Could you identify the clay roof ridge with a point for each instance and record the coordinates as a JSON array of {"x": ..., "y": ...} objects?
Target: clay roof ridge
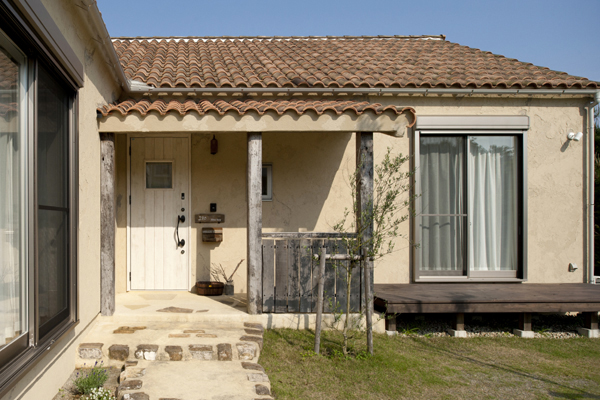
[{"x": 328, "y": 37}]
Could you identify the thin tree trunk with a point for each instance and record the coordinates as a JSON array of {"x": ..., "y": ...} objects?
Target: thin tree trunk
[
  {"x": 348, "y": 281},
  {"x": 369, "y": 305},
  {"x": 320, "y": 299}
]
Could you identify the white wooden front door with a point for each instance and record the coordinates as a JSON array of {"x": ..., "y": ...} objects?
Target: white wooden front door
[{"x": 160, "y": 194}]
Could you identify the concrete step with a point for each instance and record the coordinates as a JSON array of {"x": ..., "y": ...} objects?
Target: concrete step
[{"x": 113, "y": 344}]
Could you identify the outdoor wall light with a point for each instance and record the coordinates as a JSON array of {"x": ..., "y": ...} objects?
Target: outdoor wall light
[
  {"x": 214, "y": 145},
  {"x": 575, "y": 136},
  {"x": 572, "y": 267}
]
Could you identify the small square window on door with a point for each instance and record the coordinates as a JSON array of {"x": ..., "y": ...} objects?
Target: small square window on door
[{"x": 159, "y": 175}]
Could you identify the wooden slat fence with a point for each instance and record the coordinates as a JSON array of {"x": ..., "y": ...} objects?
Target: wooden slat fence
[{"x": 290, "y": 274}]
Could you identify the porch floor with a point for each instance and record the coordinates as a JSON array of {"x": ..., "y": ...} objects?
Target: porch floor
[
  {"x": 141, "y": 307},
  {"x": 486, "y": 297},
  {"x": 181, "y": 306}
]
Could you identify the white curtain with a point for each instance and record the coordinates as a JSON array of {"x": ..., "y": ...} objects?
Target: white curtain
[
  {"x": 493, "y": 203},
  {"x": 442, "y": 192},
  {"x": 11, "y": 279}
]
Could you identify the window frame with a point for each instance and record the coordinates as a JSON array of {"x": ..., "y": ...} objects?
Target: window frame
[
  {"x": 170, "y": 162},
  {"x": 16, "y": 26},
  {"x": 269, "y": 195},
  {"x": 465, "y": 126}
]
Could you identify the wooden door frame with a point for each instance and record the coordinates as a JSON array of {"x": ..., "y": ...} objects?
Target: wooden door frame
[{"x": 187, "y": 136}]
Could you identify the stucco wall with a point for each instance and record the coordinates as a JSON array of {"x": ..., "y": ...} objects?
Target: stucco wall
[
  {"x": 556, "y": 181},
  {"x": 53, "y": 369},
  {"x": 310, "y": 186}
]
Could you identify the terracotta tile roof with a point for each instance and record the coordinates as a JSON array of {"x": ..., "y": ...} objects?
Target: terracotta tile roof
[
  {"x": 329, "y": 62},
  {"x": 261, "y": 106}
]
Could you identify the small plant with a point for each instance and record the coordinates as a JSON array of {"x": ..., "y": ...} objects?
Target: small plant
[
  {"x": 218, "y": 272},
  {"x": 92, "y": 379},
  {"x": 410, "y": 331},
  {"x": 100, "y": 394}
]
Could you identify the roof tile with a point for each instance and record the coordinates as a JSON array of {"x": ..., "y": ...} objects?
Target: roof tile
[
  {"x": 240, "y": 107},
  {"x": 350, "y": 62}
]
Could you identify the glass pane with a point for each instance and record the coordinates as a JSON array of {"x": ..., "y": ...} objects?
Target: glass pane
[
  {"x": 493, "y": 203},
  {"x": 159, "y": 175},
  {"x": 442, "y": 243},
  {"x": 265, "y": 183},
  {"x": 52, "y": 112},
  {"x": 441, "y": 169},
  {"x": 52, "y": 261},
  {"x": 13, "y": 292},
  {"x": 53, "y": 193}
]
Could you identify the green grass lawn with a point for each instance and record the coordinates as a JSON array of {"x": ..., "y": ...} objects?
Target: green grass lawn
[{"x": 432, "y": 368}]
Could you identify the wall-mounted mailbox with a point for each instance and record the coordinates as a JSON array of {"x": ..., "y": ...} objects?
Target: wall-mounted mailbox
[
  {"x": 212, "y": 234},
  {"x": 210, "y": 218}
]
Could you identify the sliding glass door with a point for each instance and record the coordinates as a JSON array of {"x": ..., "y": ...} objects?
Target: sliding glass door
[
  {"x": 13, "y": 239},
  {"x": 53, "y": 201},
  {"x": 469, "y": 220}
]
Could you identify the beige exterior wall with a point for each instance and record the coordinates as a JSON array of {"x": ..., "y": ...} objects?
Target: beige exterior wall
[
  {"x": 556, "y": 181},
  {"x": 53, "y": 369},
  {"x": 310, "y": 186}
]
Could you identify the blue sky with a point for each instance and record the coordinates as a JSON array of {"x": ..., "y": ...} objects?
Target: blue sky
[{"x": 558, "y": 34}]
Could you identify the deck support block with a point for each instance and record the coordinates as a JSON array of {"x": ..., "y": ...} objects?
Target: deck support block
[
  {"x": 589, "y": 333},
  {"x": 457, "y": 333},
  {"x": 458, "y": 326},
  {"x": 524, "y": 330},
  {"x": 107, "y": 223},
  {"x": 254, "y": 225},
  {"x": 591, "y": 325}
]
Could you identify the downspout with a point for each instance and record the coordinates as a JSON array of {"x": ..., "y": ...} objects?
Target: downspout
[{"x": 591, "y": 182}]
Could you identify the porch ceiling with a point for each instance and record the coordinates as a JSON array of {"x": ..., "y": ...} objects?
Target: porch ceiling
[{"x": 249, "y": 115}]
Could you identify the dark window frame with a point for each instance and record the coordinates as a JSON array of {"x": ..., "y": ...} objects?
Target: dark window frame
[
  {"x": 19, "y": 359},
  {"x": 269, "y": 183},
  {"x": 514, "y": 126}
]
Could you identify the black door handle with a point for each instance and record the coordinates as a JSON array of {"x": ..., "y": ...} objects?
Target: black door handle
[{"x": 180, "y": 242}]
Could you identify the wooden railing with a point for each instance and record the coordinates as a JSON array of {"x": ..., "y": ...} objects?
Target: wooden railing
[{"x": 290, "y": 273}]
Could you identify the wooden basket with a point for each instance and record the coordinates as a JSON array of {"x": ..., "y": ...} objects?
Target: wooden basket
[{"x": 206, "y": 288}]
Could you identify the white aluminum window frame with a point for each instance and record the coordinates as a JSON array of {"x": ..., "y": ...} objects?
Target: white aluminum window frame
[{"x": 516, "y": 126}]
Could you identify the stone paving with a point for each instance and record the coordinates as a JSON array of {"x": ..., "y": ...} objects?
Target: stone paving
[{"x": 166, "y": 360}]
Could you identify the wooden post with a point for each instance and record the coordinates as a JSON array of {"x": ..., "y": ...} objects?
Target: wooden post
[
  {"x": 525, "y": 321},
  {"x": 320, "y": 287},
  {"x": 591, "y": 320},
  {"x": 364, "y": 160},
  {"x": 391, "y": 322},
  {"x": 458, "y": 323},
  {"x": 254, "y": 226},
  {"x": 107, "y": 223}
]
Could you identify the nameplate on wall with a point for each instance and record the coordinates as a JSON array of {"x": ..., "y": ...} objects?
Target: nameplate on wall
[{"x": 210, "y": 218}]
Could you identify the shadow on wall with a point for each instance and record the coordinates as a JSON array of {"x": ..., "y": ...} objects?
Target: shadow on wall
[
  {"x": 309, "y": 185},
  {"x": 305, "y": 168}
]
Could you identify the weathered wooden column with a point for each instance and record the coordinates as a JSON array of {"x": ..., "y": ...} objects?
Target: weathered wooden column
[
  {"x": 107, "y": 223},
  {"x": 364, "y": 187},
  {"x": 254, "y": 226}
]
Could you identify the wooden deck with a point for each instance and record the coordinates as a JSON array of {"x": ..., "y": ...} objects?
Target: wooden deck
[{"x": 486, "y": 298}]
